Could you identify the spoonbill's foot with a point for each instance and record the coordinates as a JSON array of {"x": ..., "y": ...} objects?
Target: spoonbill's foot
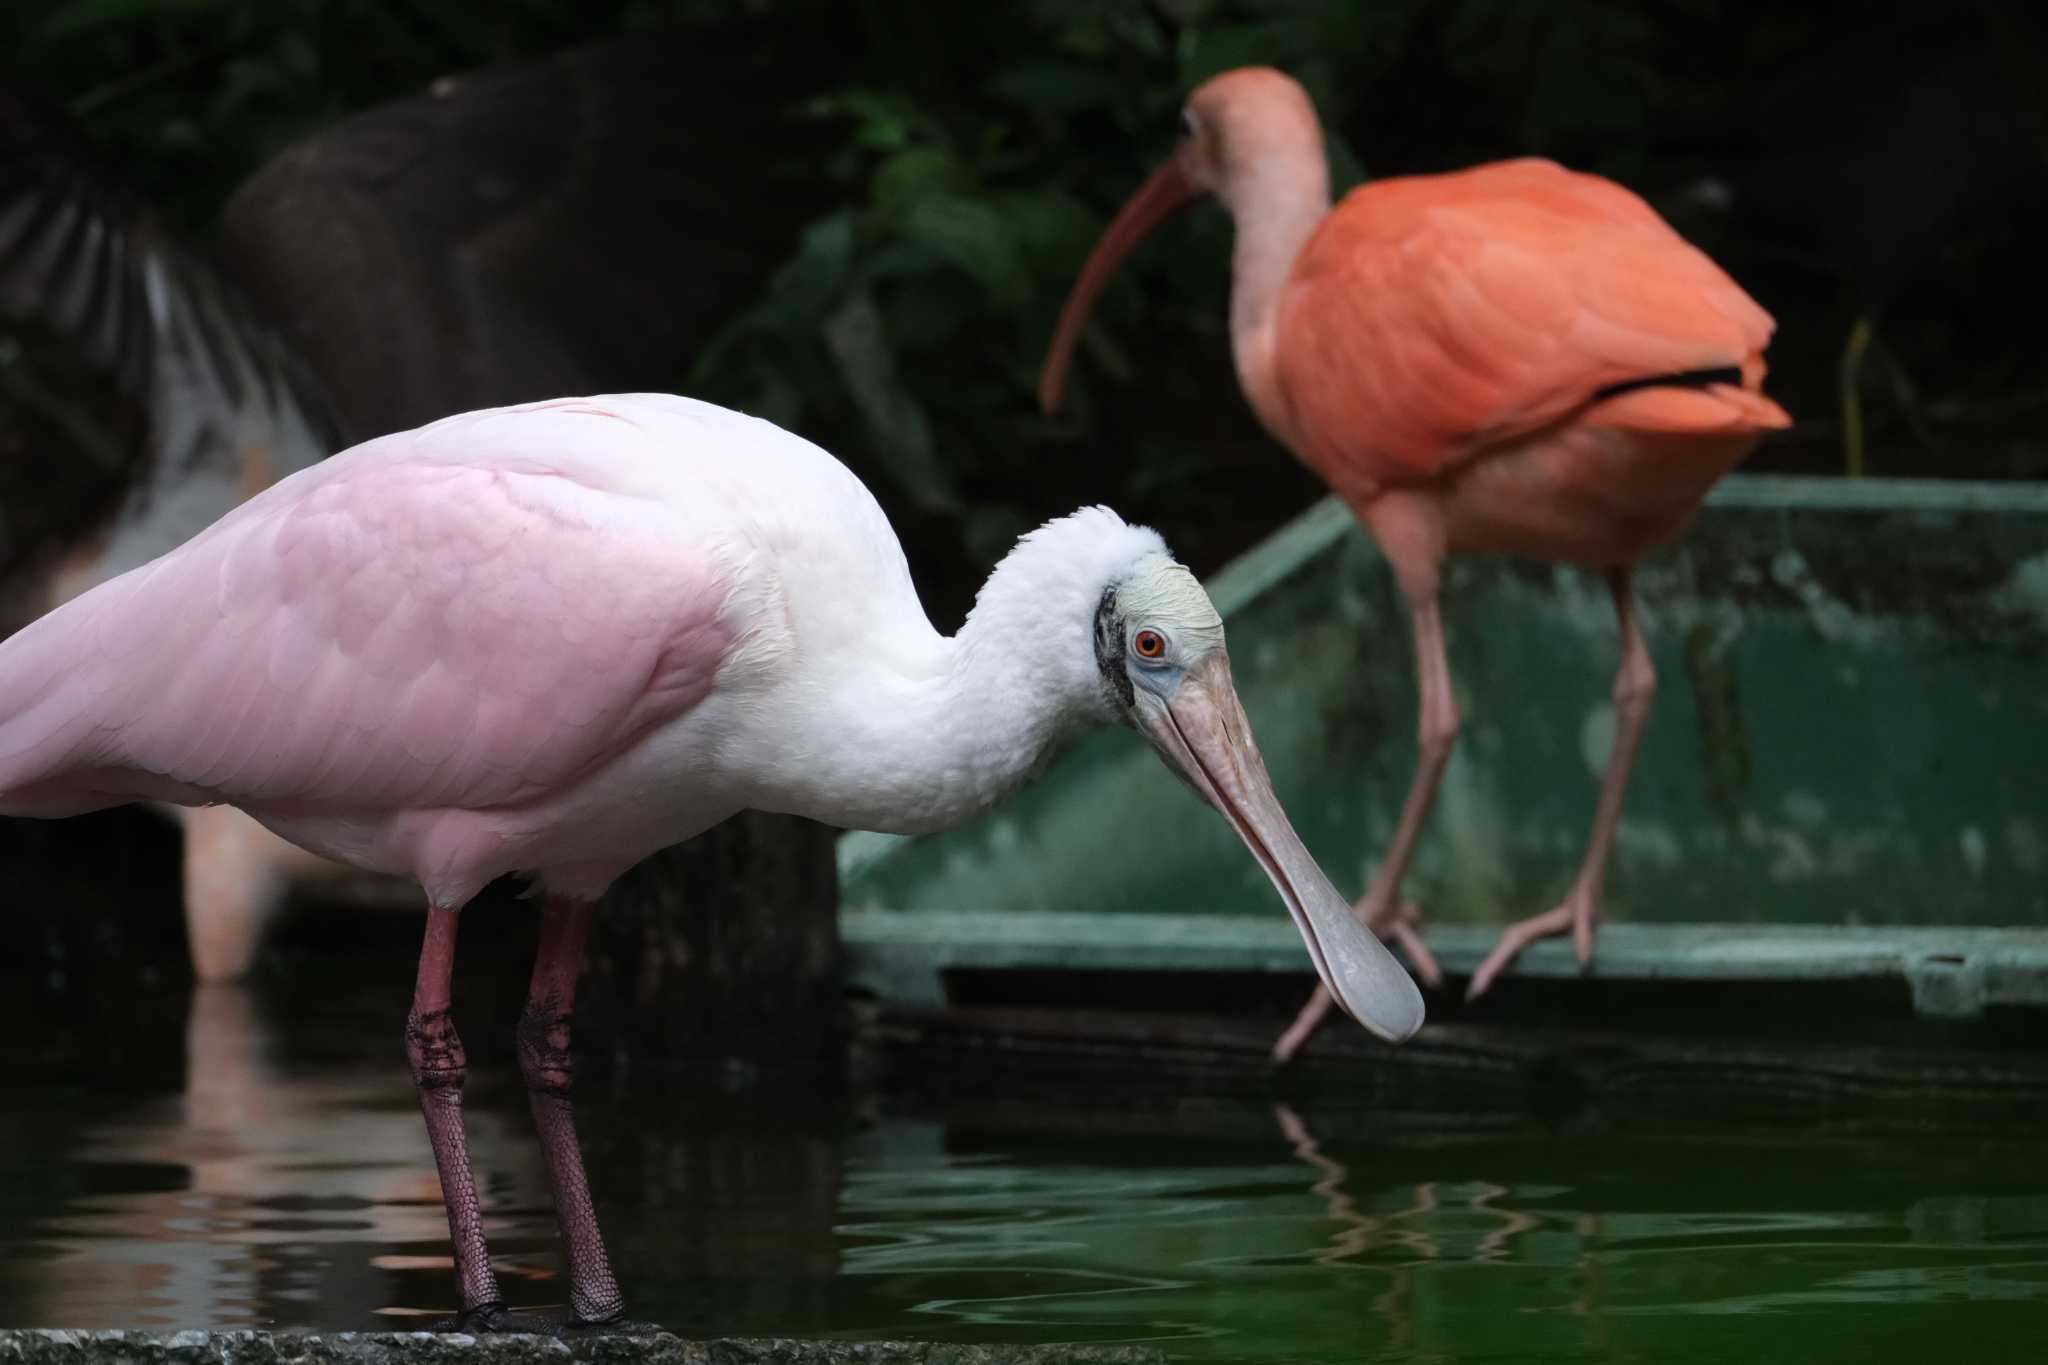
[
  {"x": 1578, "y": 914},
  {"x": 612, "y": 1327},
  {"x": 496, "y": 1318},
  {"x": 1398, "y": 928}
]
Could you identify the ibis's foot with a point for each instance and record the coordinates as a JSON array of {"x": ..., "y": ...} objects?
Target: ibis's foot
[
  {"x": 612, "y": 1327},
  {"x": 1304, "y": 1026},
  {"x": 497, "y": 1318},
  {"x": 1575, "y": 916},
  {"x": 1401, "y": 933},
  {"x": 1397, "y": 928}
]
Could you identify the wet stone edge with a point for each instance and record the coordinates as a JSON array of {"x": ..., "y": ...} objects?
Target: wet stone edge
[{"x": 54, "y": 1347}]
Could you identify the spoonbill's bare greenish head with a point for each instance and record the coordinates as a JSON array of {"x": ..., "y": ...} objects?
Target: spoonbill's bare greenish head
[{"x": 1159, "y": 648}]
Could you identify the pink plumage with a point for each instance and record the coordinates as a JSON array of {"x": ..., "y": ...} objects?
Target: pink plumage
[{"x": 425, "y": 642}]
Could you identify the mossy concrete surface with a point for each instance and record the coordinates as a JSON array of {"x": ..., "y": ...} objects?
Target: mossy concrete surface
[
  {"x": 44, "y": 1347},
  {"x": 1849, "y": 735}
]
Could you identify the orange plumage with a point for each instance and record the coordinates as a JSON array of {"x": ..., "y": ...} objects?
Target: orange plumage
[{"x": 1431, "y": 318}]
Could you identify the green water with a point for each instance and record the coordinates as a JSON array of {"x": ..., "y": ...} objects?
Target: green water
[{"x": 269, "y": 1169}]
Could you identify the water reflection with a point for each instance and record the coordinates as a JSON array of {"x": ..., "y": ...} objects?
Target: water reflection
[
  {"x": 1477, "y": 1214},
  {"x": 1360, "y": 1233},
  {"x": 287, "y": 1181},
  {"x": 255, "y": 1187},
  {"x": 283, "y": 1179}
]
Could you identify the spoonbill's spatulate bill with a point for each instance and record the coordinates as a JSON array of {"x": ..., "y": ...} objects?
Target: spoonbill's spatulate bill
[
  {"x": 553, "y": 638},
  {"x": 1514, "y": 358}
]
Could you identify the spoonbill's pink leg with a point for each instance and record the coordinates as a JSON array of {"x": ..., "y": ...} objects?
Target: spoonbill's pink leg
[
  {"x": 1438, "y": 733},
  {"x": 439, "y": 1067},
  {"x": 550, "y": 1071},
  {"x": 1635, "y": 683}
]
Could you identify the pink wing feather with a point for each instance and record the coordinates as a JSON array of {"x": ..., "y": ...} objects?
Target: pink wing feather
[
  {"x": 1429, "y": 317},
  {"x": 400, "y": 628}
]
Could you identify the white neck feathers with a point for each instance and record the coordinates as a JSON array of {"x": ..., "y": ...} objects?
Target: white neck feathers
[{"x": 905, "y": 751}]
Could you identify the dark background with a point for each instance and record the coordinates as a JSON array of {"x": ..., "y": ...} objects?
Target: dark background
[
  {"x": 859, "y": 220},
  {"x": 1842, "y": 162}
]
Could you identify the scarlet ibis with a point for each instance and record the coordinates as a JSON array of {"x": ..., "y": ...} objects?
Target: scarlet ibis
[
  {"x": 1512, "y": 358},
  {"x": 553, "y": 638}
]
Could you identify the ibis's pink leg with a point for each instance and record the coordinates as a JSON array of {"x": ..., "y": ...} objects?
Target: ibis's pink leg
[
  {"x": 1378, "y": 907},
  {"x": 545, "y": 1061},
  {"x": 438, "y": 1068},
  {"x": 1634, "y": 685}
]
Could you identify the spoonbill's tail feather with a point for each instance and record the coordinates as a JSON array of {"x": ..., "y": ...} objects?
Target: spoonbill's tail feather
[{"x": 46, "y": 727}]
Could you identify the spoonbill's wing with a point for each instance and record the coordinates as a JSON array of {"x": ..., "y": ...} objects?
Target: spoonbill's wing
[
  {"x": 1431, "y": 316},
  {"x": 421, "y": 623}
]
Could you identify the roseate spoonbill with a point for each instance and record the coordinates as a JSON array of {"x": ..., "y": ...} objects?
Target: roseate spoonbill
[
  {"x": 1513, "y": 358},
  {"x": 412, "y": 257},
  {"x": 553, "y": 638}
]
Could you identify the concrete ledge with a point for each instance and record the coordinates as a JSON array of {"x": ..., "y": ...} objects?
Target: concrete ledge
[
  {"x": 1952, "y": 972},
  {"x": 44, "y": 1347}
]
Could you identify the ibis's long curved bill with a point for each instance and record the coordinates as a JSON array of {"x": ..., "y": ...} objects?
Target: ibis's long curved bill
[
  {"x": 1156, "y": 199},
  {"x": 1203, "y": 733}
]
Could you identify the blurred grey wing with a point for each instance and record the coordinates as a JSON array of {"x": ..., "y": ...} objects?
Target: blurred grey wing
[
  {"x": 92, "y": 285},
  {"x": 580, "y": 223},
  {"x": 66, "y": 259}
]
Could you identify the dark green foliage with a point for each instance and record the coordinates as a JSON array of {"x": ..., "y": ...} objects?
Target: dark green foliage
[{"x": 1875, "y": 164}]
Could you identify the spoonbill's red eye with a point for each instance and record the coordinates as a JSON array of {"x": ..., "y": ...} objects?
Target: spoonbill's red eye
[{"x": 1150, "y": 644}]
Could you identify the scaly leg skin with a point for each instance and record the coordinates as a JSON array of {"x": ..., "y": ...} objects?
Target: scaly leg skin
[
  {"x": 1438, "y": 732},
  {"x": 1635, "y": 683},
  {"x": 549, "y": 1069},
  {"x": 439, "y": 1067}
]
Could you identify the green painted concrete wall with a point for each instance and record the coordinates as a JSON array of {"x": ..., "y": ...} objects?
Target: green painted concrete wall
[{"x": 1852, "y": 728}]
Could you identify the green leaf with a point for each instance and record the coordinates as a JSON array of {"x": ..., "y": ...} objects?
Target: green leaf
[
  {"x": 1059, "y": 87},
  {"x": 973, "y": 236},
  {"x": 818, "y": 273},
  {"x": 911, "y": 174},
  {"x": 85, "y": 16},
  {"x": 902, "y": 432}
]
